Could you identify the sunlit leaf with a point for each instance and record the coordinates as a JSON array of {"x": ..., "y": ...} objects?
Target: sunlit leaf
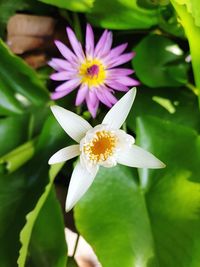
[
  {"x": 193, "y": 7},
  {"x": 122, "y": 15},
  {"x": 177, "y": 105},
  {"x": 154, "y": 221}
]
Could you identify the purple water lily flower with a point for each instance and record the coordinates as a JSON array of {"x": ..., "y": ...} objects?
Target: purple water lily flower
[{"x": 94, "y": 71}]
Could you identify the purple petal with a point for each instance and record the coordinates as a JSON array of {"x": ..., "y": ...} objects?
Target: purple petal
[
  {"x": 113, "y": 73},
  {"x": 76, "y": 45},
  {"x": 118, "y": 50},
  {"x": 63, "y": 75},
  {"x": 65, "y": 51},
  {"x": 101, "y": 42},
  {"x": 71, "y": 84},
  {"x": 57, "y": 95},
  {"x": 89, "y": 41},
  {"x": 105, "y": 48},
  {"x": 101, "y": 96},
  {"x": 92, "y": 97},
  {"x": 128, "y": 81},
  {"x": 120, "y": 60},
  {"x": 117, "y": 85},
  {"x": 115, "y": 52},
  {"x": 52, "y": 64},
  {"x": 92, "y": 108},
  {"x": 82, "y": 92},
  {"x": 111, "y": 98},
  {"x": 63, "y": 64}
]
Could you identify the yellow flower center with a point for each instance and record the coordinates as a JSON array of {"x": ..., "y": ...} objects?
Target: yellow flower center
[
  {"x": 92, "y": 73},
  {"x": 101, "y": 147}
]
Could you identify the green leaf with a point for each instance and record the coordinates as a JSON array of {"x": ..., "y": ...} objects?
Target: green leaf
[
  {"x": 73, "y": 5},
  {"x": 152, "y": 3},
  {"x": 173, "y": 196},
  {"x": 193, "y": 7},
  {"x": 48, "y": 245},
  {"x": 193, "y": 35},
  {"x": 17, "y": 157},
  {"x": 154, "y": 221},
  {"x": 169, "y": 22},
  {"x": 164, "y": 63},
  {"x": 39, "y": 233},
  {"x": 22, "y": 79},
  {"x": 177, "y": 105},
  {"x": 20, "y": 190},
  {"x": 122, "y": 14},
  {"x": 13, "y": 132},
  {"x": 113, "y": 218}
]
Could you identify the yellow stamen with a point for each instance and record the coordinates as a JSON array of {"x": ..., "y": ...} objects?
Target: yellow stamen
[
  {"x": 101, "y": 147},
  {"x": 90, "y": 78}
]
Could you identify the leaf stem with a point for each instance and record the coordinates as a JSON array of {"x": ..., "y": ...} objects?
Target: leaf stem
[
  {"x": 19, "y": 156},
  {"x": 193, "y": 88},
  {"x": 30, "y": 127}
]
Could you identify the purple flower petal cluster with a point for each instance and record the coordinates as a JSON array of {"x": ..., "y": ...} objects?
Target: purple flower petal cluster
[{"x": 94, "y": 71}]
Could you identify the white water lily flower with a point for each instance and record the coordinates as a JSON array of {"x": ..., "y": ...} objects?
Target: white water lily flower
[{"x": 104, "y": 145}]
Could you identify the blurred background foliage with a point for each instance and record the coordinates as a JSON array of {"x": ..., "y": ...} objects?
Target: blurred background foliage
[{"x": 130, "y": 218}]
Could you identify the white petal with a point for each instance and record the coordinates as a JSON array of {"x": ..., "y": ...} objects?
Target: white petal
[
  {"x": 65, "y": 154},
  {"x": 81, "y": 180},
  {"x": 74, "y": 125},
  {"x": 118, "y": 113},
  {"x": 124, "y": 140},
  {"x": 139, "y": 158}
]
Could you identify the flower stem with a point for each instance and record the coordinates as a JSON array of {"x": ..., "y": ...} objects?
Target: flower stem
[
  {"x": 78, "y": 110},
  {"x": 76, "y": 245}
]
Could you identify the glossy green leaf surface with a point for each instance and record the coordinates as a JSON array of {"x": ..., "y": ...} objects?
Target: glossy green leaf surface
[
  {"x": 20, "y": 191},
  {"x": 113, "y": 218},
  {"x": 177, "y": 105},
  {"x": 121, "y": 15},
  {"x": 154, "y": 222},
  {"x": 164, "y": 62},
  {"x": 20, "y": 78}
]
